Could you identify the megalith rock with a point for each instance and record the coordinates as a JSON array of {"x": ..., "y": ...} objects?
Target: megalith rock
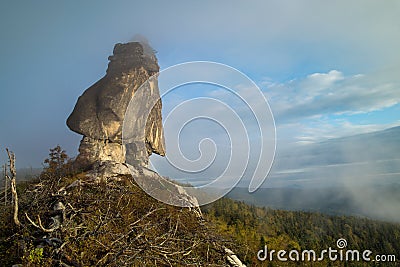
[{"x": 99, "y": 112}]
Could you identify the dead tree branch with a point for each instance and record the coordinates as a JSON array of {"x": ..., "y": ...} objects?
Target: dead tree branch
[
  {"x": 13, "y": 172},
  {"x": 39, "y": 225},
  {"x": 5, "y": 183}
]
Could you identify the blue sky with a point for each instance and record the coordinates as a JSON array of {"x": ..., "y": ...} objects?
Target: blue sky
[{"x": 328, "y": 69}]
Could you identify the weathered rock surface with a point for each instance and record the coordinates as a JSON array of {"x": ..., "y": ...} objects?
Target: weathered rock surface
[{"x": 100, "y": 111}]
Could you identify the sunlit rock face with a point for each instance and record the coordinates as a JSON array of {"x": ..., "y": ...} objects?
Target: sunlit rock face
[{"x": 99, "y": 112}]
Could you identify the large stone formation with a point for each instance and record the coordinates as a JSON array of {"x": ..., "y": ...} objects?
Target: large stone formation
[{"x": 99, "y": 112}]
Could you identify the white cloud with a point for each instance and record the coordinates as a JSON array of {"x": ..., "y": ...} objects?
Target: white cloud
[
  {"x": 318, "y": 82},
  {"x": 330, "y": 93},
  {"x": 325, "y": 129},
  {"x": 303, "y": 107}
]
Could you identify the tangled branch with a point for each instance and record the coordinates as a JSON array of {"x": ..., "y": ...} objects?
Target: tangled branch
[{"x": 39, "y": 225}]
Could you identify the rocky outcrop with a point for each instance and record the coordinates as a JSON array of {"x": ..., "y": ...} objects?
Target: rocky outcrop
[
  {"x": 127, "y": 97},
  {"x": 100, "y": 111}
]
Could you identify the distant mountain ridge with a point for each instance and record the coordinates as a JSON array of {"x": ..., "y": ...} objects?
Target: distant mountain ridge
[
  {"x": 333, "y": 201},
  {"x": 352, "y": 175},
  {"x": 377, "y": 145}
]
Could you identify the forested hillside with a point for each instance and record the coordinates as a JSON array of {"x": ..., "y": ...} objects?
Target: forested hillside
[
  {"x": 115, "y": 223},
  {"x": 253, "y": 227}
]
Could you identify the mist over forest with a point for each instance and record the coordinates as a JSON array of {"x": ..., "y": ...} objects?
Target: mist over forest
[{"x": 354, "y": 175}]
